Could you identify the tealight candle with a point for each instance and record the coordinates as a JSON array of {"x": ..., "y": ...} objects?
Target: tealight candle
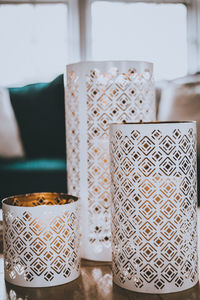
[{"x": 154, "y": 206}]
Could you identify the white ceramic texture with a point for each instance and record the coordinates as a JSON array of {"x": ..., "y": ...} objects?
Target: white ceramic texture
[
  {"x": 98, "y": 93},
  {"x": 154, "y": 210},
  {"x": 41, "y": 244}
]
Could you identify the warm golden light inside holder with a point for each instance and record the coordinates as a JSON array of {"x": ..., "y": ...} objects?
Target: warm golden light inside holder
[{"x": 38, "y": 199}]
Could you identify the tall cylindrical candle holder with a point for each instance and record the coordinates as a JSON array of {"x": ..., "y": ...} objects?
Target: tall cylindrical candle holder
[
  {"x": 154, "y": 210},
  {"x": 98, "y": 93},
  {"x": 41, "y": 239}
]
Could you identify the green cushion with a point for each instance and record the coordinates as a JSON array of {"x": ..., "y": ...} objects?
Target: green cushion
[
  {"x": 39, "y": 109},
  {"x": 30, "y": 176},
  {"x": 34, "y": 165}
]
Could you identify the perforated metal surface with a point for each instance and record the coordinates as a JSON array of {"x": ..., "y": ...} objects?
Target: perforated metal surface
[
  {"x": 154, "y": 218},
  {"x": 41, "y": 240},
  {"x": 96, "y": 95}
]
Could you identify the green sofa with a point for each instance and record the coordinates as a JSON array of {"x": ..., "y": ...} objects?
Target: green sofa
[{"x": 39, "y": 110}]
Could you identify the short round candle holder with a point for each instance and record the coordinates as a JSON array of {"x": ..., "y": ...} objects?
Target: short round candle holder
[
  {"x": 41, "y": 239},
  {"x": 99, "y": 93},
  {"x": 154, "y": 210}
]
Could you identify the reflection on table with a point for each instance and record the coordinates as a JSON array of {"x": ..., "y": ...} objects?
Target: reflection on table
[{"x": 95, "y": 283}]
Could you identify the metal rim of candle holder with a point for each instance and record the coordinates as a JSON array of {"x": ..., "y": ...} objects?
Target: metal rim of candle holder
[
  {"x": 98, "y": 62},
  {"x": 153, "y": 123}
]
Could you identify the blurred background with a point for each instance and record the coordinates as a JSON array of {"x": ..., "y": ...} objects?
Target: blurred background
[{"x": 39, "y": 37}]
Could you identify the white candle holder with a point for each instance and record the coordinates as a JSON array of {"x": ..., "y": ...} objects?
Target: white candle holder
[
  {"x": 154, "y": 211},
  {"x": 98, "y": 93},
  {"x": 41, "y": 239}
]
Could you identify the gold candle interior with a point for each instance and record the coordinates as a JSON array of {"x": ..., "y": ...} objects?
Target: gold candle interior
[{"x": 38, "y": 199}]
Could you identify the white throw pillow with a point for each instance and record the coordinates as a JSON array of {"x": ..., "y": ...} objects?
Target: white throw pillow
[{"x": 10, "y": 141}]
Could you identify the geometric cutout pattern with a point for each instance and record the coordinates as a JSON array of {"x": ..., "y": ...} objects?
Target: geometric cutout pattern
[
  {"x": 96, "y": 97},
  {"x": 41, "y": 243},
  {"x": 154, "y": 212}
]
